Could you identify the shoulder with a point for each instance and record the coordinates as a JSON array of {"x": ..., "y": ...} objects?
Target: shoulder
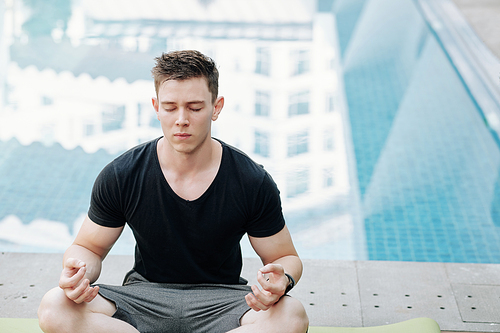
[
  {"x": 138, "y": 152},
  {"x": 242, "y": 164},
  {"x": 129, "y": 165}
]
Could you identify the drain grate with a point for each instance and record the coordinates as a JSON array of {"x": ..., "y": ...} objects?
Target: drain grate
[{"x": 478, "y": 303}]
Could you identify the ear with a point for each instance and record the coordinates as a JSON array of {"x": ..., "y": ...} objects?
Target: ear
[
  {"x": 154, "y": 100},
  {"x": 219, "y": 104}
]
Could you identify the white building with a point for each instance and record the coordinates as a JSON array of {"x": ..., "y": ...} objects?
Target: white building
[{"x": 279, "y": 73}]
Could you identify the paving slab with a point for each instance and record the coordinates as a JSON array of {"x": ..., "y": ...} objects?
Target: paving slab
[
  {"x": 478, "y": 303},
  {"x": 396, "y": 291},
  {"x": 335, "y": 293},
  {"x": 329, "y": 292},
  {"x": 24, "y": 279},
  {"x": 488, "y": 274}
]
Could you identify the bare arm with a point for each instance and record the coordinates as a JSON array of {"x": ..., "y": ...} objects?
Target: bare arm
[
  {"x": 82, "y": 260},
  {"x": 279, "y": 256}
]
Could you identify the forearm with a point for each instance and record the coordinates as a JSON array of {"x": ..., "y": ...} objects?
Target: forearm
[
  {"x": 292, "y": 265},
  {"x": 93, "y": 261}
]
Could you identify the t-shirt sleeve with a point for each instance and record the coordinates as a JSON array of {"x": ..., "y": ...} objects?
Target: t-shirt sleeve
[
  {"x": 105, "y": 208},
  {"x": 267, "y": 216}
]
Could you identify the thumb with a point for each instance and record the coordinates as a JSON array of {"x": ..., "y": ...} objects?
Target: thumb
[
  {"x": 272, "y": 268},
  {"x": 71, "y": 263}
]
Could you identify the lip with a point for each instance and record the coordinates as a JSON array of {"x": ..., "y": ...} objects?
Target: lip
[{"x": 182, "y": 135}]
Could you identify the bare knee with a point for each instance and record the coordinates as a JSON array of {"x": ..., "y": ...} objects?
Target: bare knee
[
  {"x": 296, "y": 314},
  {"x": 54, "y": 312},
  {"x": 288, "y": 315}
]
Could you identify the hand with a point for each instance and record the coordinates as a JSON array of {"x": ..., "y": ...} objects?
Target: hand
[
  {"x": 273, "y": 280},
  {"x": 74, "y": 284}
]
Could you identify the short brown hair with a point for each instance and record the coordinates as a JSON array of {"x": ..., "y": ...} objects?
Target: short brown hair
[{"x": 183, "y": 65}]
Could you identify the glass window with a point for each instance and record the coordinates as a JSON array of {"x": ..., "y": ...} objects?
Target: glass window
[
  {"x": 330, "y": 105},
  {"x": 46, "y": 100},
  {"x": 328, "y": 177},
  {"x": 298, "y": 104},
  {"x": 328, "y": 140},
  {"x": 298, "y": 143},
  {"x": 300, "y": 62},
  {"x": 297, "y": 182},
  {"x": 89, "y": 130},
  {"x": 113, "y": 117},
  {"x": 263, "y": 61},
  {"x": 261, "y": 144},
  {"x": 262, "y": 103}
]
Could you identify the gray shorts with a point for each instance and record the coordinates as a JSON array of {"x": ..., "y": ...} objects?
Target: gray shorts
[{"x": 161, "y": 307}]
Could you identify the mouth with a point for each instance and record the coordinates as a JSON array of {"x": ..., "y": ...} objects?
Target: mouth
[{"x": 182, "y": 135}]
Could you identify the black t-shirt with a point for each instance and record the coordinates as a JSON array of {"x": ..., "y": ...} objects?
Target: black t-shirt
[{"x": 181, "y": 241}]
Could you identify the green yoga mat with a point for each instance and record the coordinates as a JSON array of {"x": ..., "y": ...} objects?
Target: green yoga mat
[
  {"x": 419, "y": 325},
  {"x": 19, "y": 325}
]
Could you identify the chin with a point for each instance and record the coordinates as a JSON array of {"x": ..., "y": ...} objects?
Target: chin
[{"x": 184, "y": 148}]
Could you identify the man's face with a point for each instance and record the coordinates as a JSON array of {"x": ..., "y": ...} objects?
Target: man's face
[{"x": 185, "y": 111}]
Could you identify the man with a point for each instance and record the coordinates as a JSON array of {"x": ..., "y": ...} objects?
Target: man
[{"x": 188, "y": 199}]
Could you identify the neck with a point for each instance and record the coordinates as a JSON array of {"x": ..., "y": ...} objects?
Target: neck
[{"x": 189, "y": 163}]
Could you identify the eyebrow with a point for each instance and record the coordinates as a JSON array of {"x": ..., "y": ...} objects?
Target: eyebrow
[{"x": 191, "y": 102}]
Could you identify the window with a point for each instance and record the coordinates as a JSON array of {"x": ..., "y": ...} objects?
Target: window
[
  {"x": 262, "y": 103},
  {"x": 325, "y": 6},
  {"x": 113, "y": 117},
  {"x": 330, "y": 104},
  {"x": 261, "y": 144},
  {"x": 88, "y": 130},
  {"x": 46, "y": 100},
  {"x": 328, "y": 140},
  {"x": 144, "y": 114},
  {"x": 328, "y": 177},
  {"x": 297, "y": 182},
  {"x": 298, "y": 104},
  {"x": 263, "y": 61},
  {"x": 300, "y": 62},
  {"x": 298, "y": 143}
]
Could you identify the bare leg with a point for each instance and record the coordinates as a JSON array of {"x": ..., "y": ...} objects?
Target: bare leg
[
  {"x": 288, "y": 315},
  {"x": 59, "y": 314}
]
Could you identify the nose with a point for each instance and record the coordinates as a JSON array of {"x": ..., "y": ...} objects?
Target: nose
[{"x": 182, "y": 119}]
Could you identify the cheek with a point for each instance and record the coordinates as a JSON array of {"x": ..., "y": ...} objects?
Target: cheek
[{"x": 163, "y": 117}]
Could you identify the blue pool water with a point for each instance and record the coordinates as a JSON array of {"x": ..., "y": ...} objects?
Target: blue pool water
[
  {"x": 427, "y": 164},
  {"x": 414, "y": 174}
]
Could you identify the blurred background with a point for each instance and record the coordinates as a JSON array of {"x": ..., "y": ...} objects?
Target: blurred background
[{"x": 373, "y": 130}]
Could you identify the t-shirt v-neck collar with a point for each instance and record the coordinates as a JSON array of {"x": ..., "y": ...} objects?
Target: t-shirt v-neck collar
[{"x": 167, "y": 185}]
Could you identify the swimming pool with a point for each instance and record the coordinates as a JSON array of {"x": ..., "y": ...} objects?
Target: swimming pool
[
  {"x": 378, "y": 147},
  {"x": 428, "y": 165}
]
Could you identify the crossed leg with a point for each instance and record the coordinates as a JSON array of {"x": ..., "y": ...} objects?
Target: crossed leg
[
  {"x": 288, "y": 315},
  {"x": 59, "y": 314}
]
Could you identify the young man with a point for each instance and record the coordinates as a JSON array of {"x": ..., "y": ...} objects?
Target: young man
[{"x": 188, "y": 199}]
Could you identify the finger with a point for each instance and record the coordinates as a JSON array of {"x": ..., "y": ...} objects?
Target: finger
[
  {"x": 72, "y": 281},
  {"x": 76, "y": 293},
  {"x": 272, "y": 268},
  {"x": 270, "y": 283},
  {"x": 249, "y": 301},
  {"x": 95, "y": 292},
  {"x": 263, "y": 280},
  {"x": 264, "y": 297},
  {"x": 86, "y": 293},
  {"x": 259, "y": 295},
  {"x": 254, "y": 303},
  {"x": 74, "y": 263}
]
